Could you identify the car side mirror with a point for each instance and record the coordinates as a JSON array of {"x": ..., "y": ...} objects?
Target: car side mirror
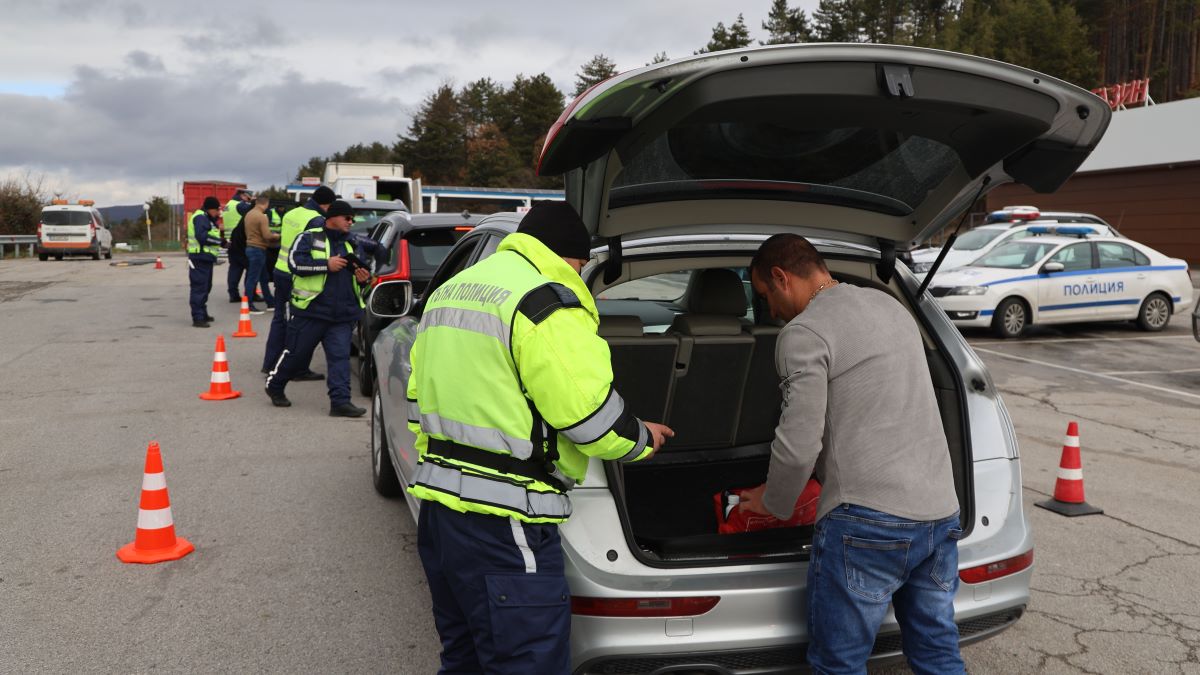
[
  {"x": 1052, "y": 267},
  {"x": 391, "y": 299}
]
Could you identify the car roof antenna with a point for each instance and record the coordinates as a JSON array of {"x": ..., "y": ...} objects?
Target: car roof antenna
[{"x": 950, "y": 241}]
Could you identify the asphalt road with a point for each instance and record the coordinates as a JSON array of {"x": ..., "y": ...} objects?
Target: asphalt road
[{"x": 300, "y": 567}]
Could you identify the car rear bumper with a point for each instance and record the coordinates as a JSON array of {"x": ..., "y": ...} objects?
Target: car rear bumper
[
  {"x": 67, "y": 246},
  {"x": 783, "y": 659}
]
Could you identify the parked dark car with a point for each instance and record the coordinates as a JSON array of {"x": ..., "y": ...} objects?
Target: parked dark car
[{"x": 417, "y": 244}]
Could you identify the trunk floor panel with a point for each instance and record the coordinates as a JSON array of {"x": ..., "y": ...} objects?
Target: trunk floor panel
[{"x": 672, "y": 513}]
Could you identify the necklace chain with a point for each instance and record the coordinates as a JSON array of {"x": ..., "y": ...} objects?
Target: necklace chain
[{"x": 822, "y": 287}]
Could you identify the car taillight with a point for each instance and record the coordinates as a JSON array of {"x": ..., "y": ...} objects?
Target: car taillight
[
  {"x": 643, "y": 607},
  {"x": 402, "y": 267},
  {"x": 995, "y": 570},
  {"x": 40, "y": 230},
  {"x": 92, "y": 230}
]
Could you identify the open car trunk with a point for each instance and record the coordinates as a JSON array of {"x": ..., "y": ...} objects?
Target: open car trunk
[{"x": 723, "y": 403}]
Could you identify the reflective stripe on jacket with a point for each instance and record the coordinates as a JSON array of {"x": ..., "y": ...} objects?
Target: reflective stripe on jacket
[
  {"x": 508, "y": 337},
  {"x": 211, "y": 234}
]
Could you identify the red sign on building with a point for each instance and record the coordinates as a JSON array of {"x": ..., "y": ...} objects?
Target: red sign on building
[{"x": 1120, "y": 96}]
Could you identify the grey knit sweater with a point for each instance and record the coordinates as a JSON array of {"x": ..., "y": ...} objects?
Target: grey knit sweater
[{"x": 859, "y": 408}]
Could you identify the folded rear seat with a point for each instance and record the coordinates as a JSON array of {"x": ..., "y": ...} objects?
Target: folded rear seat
[{"x": 714, "y": 356}]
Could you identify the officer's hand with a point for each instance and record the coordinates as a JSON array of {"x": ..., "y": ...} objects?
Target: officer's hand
[
  {"x": 224, "y": 243},
  {"x": 336, "y": 264},
  {"x": 660, "y": 434},
  {"x": 362, "y": 275}
]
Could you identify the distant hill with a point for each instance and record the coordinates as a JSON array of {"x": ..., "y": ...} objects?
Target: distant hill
[{"x": 115, "y": 214}]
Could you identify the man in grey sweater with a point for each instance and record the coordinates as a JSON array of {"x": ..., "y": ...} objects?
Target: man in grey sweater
[{"x": 859, "y": 412}]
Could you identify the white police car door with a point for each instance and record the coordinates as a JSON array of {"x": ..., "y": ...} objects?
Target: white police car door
[
  {"x": 1070, "y": 295},
  {"x": 1126, "y": 269}
]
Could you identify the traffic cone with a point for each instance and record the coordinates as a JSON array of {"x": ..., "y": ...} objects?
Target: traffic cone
[
  {"x": 155, "y": 539},
  {"x": 219, "y": 387},
  {"x": 1068, "y": 489},
  {"x": 244, "y": 328},
  {"x": 158, "y": 264}
]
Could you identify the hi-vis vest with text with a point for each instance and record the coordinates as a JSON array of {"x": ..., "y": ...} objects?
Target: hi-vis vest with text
[
  {"x": 294, "y": 222},
  {"x": 484, "y": 447},
  {"x": 306, "y": 288},
  {"x": 193, "y": 244}
]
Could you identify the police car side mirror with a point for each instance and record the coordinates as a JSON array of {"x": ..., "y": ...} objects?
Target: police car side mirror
[
  {"x": 391, "y": 299},
  {"x": 1052, "y": 267}
]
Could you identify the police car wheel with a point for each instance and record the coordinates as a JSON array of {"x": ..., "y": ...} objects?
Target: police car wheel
[
  {"x": 1010, "y": 319},
  {"x": 1155, "y": 313},
  {"x": 383, "y": 476}
]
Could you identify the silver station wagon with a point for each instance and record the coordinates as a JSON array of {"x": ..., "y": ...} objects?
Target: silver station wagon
[{"x": 681, "y": 170}]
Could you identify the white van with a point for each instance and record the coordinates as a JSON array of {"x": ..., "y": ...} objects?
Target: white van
[{"x": 73, "y": 229}]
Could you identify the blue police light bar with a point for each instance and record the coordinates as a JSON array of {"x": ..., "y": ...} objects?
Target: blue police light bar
[
  {"x": 1011, "y": 215},
  {"x": 1068, "y": 230}
]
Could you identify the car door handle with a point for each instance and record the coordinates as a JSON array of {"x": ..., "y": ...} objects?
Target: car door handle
[{"x": 1141, "y": 276}]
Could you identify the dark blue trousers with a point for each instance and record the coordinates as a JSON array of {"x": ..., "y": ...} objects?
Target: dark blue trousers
[
  {"x": 500, "y": 600},
  {"x": 200, "y": 274},
  {"x": 237, "y": 268},
  {"x": 277, "y": 336},
  {"x": 303, "y": 335}
]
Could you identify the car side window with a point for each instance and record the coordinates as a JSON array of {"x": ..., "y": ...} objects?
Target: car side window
[
  {"x": 489, "y": 247},
  {"x": 1075, "y": 257},
  {"x": 1113, "y": 254}
]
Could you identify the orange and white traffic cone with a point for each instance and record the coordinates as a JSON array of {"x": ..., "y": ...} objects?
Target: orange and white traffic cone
[
  {"x": 219, "y": 387},
  {"x": 1068, "y": 489},
  {"x": 158, "y": 263},
  {"x": 244, "y": 328},
  {"x": 155, "y": 539}
]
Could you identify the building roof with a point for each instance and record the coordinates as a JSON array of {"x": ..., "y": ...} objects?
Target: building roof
[{"x": 1149, "y": 136}]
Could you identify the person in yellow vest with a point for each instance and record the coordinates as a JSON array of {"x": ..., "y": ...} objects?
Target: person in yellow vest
[
  {"x": 326, "y": 304},
  {"x": 295, "y": 221},
  {"x": 510, "y": 395},
  {"x": 231, "y": 219},
  {"x": 203, "y": 244}
]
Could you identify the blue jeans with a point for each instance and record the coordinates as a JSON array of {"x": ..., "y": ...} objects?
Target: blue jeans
[
  {"x": 256, "y": 258},
  {"x": 861, "y": 560}
]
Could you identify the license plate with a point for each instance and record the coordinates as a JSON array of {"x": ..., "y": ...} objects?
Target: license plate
[{"x": 59, "y": 237}]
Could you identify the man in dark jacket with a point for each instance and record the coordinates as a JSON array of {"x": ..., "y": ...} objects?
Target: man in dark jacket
[
  {"x": 235, "y": 211},
  {"x": 203, "y": 243},
  {"x": 326, "y": 303}
]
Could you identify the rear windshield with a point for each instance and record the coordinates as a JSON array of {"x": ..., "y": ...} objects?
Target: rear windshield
[
  {"x": 365, "y": 219},
  {"x": 1016, "y": 254},
  {"x": 428, "y": 248},
  {"x": 875, "y": 169},
  {"x": 66, "y": 218},
  {"x": 976, "y": 239}
]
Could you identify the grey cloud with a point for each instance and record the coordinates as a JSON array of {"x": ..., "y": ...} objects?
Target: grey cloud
[
  {"x": 144, "y": 61},
  {"x": 406, "y": 75},
  {"x": 149, "y": 127}
]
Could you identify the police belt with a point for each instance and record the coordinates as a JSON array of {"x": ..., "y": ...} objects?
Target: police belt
[{"x": 528, "y": 468}]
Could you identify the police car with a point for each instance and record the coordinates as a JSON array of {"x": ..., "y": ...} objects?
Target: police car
[
  {"x": 1005, "y": 225},
  {"x": 1063, "y": 274}
]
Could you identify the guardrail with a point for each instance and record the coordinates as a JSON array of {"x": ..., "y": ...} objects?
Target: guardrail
[{"x": 16, "y": 241}]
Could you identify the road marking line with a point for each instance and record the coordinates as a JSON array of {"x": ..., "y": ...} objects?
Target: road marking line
[
  {"x": 1105, "y": 339},
  {"x": 1151, "y": 372},
  {"x": 1089, "y": 373}
]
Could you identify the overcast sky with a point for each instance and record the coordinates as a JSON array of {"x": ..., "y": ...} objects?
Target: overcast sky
[{"x": 120, "y": 100}]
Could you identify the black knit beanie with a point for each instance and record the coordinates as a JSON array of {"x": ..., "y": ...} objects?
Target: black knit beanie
[
  {"x": 556, "y": 225},
  {"x": 210, "y": 203},
  {"x": 324, "y": 195}
]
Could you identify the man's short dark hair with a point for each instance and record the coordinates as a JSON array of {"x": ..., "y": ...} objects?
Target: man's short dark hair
[{"x": 789, "y": 252}]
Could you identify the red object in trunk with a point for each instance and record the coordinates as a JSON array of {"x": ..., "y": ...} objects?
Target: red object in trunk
[{"x": 732, "y": 518}]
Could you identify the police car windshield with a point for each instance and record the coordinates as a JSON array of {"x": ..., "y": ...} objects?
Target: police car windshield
[
  {"x": 975, "y": 240},
  {"x": 66, "y": 218},
  {"x": 1016, "y": 255}
]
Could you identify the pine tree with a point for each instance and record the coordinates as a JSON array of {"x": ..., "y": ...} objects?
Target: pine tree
[
  {"x": 734, "y": 37},
  {"x": 838, "y": 21},
  {"x": 435, "y": 147},
  {"x": 599, "y": 69},
  {"x": 785, "y": 25},
  {"x": 530, "y": 107},
  {"x": 315, "y": 166},
  {"x": 660, "y": 57},
  {"x": 491, "y": 160},
  {"x": 478, "y": 103}
]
